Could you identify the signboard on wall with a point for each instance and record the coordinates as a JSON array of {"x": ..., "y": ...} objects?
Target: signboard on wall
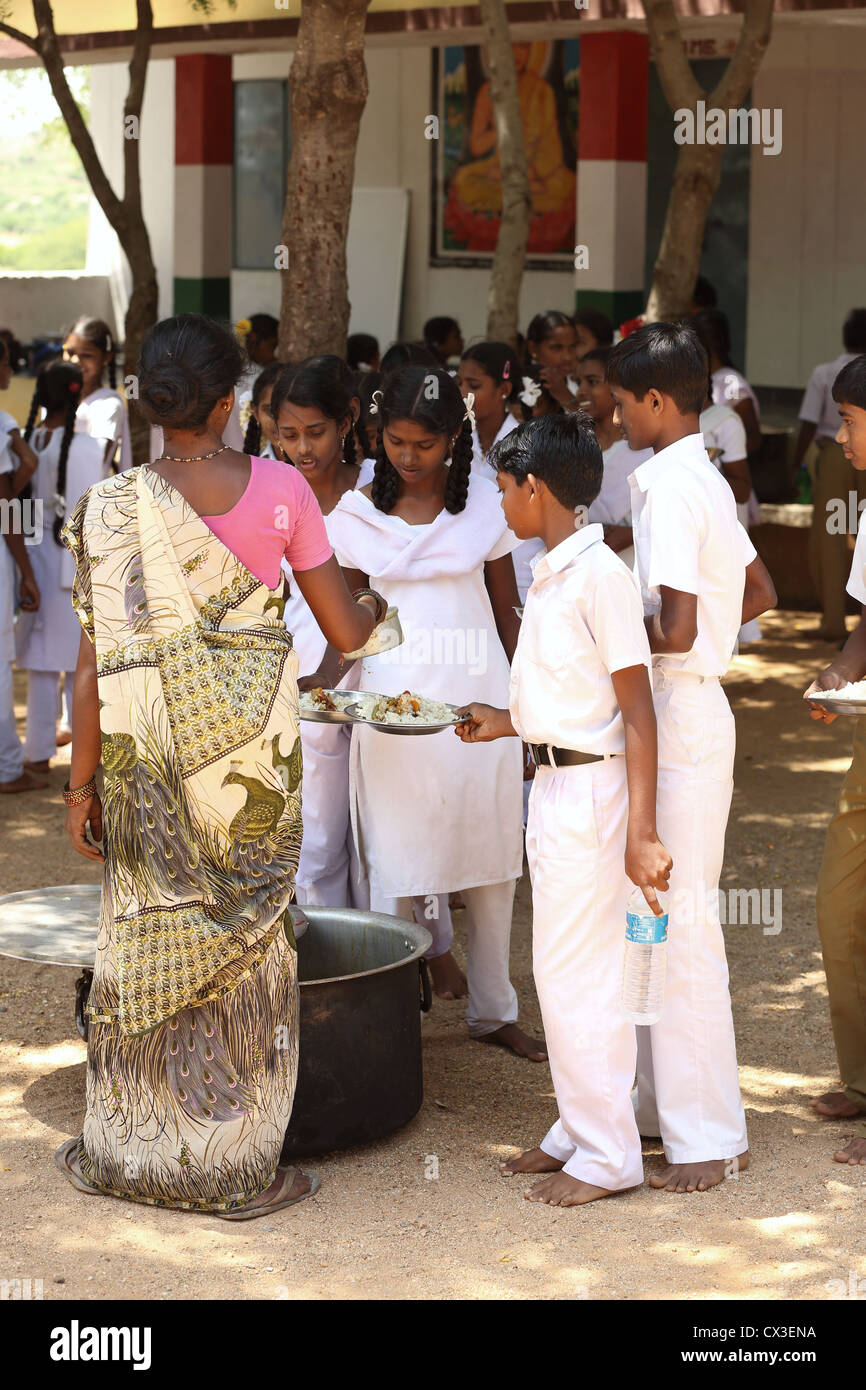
[{"x": 466, "y": 201}]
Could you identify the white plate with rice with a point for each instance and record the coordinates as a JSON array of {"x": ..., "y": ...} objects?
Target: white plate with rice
[
  {"x": 313, "y": 705},
  {"x": 408, "y": 713},
  {"x": 849, "y": 699}
]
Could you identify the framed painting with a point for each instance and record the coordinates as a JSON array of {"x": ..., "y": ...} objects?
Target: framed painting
[{"x": 466, "y": 193}]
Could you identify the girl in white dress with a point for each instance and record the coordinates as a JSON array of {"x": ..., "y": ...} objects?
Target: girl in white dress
[
  {"x": 434, "y": 540},
  {"x": 47, "y": 641},
  {"x": 311, "y": 407},
  {"x": 101, "y": 410},
  {"x": 260, "y": 437}
]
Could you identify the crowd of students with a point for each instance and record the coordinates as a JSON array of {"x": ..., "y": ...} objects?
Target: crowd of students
[{"x": 492, "y": 494}]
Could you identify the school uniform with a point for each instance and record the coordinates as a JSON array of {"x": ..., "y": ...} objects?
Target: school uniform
[
  {"x": 841, "y": 899},
  {"x": 583, "y": 621},
  {"x": 723, "y": 430},
  {"x": 47, "y": 641},
  {"x": 103, "y": 416},
  {"x": 11, "y": 751},
  {"x": 687, "y": 537},
  {"x": 428, "y": 819},
  {"x": 612, "y": 506},
  {"x": 525, "y": 551}
]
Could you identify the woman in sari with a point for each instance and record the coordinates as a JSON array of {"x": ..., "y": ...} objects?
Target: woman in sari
[{"x": 186, "y": 694}]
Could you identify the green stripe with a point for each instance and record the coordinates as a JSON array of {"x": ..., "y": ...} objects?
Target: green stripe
[
  {"x": 619, "y": 305},
  {"x": 208, "y": 295}
]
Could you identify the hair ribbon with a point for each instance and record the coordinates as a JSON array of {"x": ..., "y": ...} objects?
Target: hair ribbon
[
  {"x": 375, "y": 402},
  {"x": 470, "y": 413}
]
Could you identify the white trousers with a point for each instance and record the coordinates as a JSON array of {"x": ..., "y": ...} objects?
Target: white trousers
[
  {"x": 575, "y": 844},
  {"x": 688, "y": 1089},
  {"x": 492, "y": 997},
  {"x": 11, "y": 752},
  {"x": 43, "y": 712},
  {"x": 328, "y": 873}
]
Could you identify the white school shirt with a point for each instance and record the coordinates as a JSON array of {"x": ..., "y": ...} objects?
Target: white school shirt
[
  {"x": 582, "y": 621},
  {"x": 687, "y": 537},
  {"x": 730, "y": 386},
  {"x": 612, "y": 506},
  {"x": 479, "y": 457},
  {"x": 856, "y": 585},
  {"x": 103, "y": 416},
  {"x": 818, "y": 407},
  {"x": 8, "y": 571}
]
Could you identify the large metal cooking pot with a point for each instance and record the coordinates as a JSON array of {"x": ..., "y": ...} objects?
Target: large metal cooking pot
[{"x": 359, "y": 1068}]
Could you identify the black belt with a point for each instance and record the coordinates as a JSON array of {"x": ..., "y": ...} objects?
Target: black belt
[{"x": 546, "y": 755}]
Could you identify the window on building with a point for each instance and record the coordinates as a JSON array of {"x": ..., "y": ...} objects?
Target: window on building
[{"x": 261, "y": 160}]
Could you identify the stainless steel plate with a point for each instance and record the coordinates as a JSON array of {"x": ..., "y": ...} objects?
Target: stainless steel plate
[
  {"x": 412, "y": 729},
  {"x": 836, "y": 706},
  {"x": 326, "y": 716},
  {"x": 56, "y": 926}
]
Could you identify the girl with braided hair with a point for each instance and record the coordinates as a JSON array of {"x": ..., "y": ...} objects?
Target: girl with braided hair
[
  {"x": 46, "y": 639},
  {"x": 425, "y": 823},
  {"x": 313, "y": 406},
  {"x": 89, "y": 345},
  {"x": 260, "y": 437}
]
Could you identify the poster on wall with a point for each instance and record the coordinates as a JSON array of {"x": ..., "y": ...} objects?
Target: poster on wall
[{"x": 466, "y": 201}]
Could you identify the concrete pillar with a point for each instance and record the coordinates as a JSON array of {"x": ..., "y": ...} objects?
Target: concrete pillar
[{"x": 203, "y": 158}]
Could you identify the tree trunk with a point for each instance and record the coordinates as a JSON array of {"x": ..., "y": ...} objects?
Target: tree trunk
[
  {"x": 328, "y": 86},
  {"x": 124, "y": 214},
  {"x": 698, "y": 168},
  {"x": 506, "y": 273}
]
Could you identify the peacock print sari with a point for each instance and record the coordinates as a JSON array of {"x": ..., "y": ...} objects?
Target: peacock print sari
[{"x": 193, "y": 1012}]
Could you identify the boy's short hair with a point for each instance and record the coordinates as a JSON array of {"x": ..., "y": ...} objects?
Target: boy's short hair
[
  {"x": 561, "y": 450},
  {"x": 596, "y": 354},
  {"x": 438, "y": 330},
  {"x": 854, "y": 331},
  {"x": 704, "y": 293},
  {"x": 849, "y": 388},
  {"x": 666, "y": 357},
  {"x": 598, "y": 324},
  {"x": 264, "y": 326}
]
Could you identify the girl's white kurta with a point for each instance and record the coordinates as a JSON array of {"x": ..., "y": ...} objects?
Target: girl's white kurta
[
  {"x": 8, "y": 572},
  {"x": 48, "y": 639},
  {"x": 429, "y": 813},
  {"x": 103, "y": 416}
]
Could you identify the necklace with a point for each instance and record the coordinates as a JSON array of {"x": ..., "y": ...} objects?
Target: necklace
[{"x": 196, "y": 458}]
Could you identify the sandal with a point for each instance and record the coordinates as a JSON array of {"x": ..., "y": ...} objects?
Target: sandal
[
  {"x": 62, "y": 1158},
  {"x": 276, "y": 1203}
]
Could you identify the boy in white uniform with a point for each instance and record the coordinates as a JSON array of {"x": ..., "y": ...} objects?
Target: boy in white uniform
[
  {"x": 580, "y": 695},
  {"x": 700, "y": 579}
]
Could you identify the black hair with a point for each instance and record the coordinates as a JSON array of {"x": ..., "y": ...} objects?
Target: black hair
[
  {"x": 325, "y": 383},
  {"x": 266, "y": 377},
  {"x": 849, "y": 388},
  {"x": 499, "y": 361},
  {"x": 265, "y": 326},
  {"x": 599, "y": 325},
  {"x": 545, "y": 324},
  {"x": 97, "y": 331},
  {"x": 704, "y": 293},
  {"x": 529, "y": 374},
  {"x": 666, "y": 357},
  {"x": 561, "y": 450},
  {"x": 437, "y": 329},
  {"x": 58, "y": 387},
  {"x": 187, "y": 363},
  {"x": 361, "y": 348},
  {"x": 407, "y": 355},
  {"x": 854, "y": 331},
  {"x": 430, "y": 396},
  {"x": 365, "y": 384},
  {"x": 596, "y": 354},
  {"x": 714, "y": 331},
  {"x": 4, "y": 350}
]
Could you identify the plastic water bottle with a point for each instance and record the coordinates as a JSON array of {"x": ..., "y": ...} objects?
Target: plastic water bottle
[{"x": 643, "y": 974}]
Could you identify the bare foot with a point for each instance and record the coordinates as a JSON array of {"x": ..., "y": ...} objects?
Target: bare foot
[
  {"x": 835, "y": 1105},
  {"x": 509, "y": 1035},
  {"x": 532, "y": 1161},
  {"x": 39, "y": 768},
  {"x": 853, "y": 1153},
  {"x": 25, "y": 783},
  {"x": 449, "y": 982},
  {"x": 63, "y": 736},
  {"x": 699, "y": 1177},
  {"x": 564, "y": 1191},
  {"x": 300, "y": 1185}
]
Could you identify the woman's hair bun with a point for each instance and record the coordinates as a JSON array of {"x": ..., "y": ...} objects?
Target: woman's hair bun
[{"x": 187, "y": 364}]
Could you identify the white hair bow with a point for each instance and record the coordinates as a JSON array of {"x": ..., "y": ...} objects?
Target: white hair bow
[
  {"x": 59, "y": 504},
  {"x": 375, "y": 402},
  {"x": 470, "y": 413},
  {"x": 531, "y": 391}
]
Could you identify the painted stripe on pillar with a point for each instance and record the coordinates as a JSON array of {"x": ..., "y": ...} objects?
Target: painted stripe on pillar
[
  {"x": 203, "y": 157},
  {"x": 204, "y": 109},
  {"x": 206, "y": 295}
]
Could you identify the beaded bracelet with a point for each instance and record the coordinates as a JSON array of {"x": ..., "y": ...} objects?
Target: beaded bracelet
[
  {"x": 381, "y": 603},
  {"x": 78, "y": 795}
]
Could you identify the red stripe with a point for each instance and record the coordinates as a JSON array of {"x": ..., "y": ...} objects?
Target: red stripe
[
  {"x": 614, "y": 84},
  {"x": 203, "y": 109}
]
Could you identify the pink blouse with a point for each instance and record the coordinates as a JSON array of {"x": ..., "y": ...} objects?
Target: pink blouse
[{"x": 277, "y": 515}]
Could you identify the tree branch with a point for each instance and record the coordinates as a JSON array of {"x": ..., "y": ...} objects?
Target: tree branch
[
  {"x": 19, "y": 36},
  {"x": 740, "y": 71},
  {"x": 134, "y": 101},
  {"x": 679, "y": 84}
]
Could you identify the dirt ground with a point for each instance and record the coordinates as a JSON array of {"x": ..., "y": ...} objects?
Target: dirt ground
[{"x": 379, "y": 1228}]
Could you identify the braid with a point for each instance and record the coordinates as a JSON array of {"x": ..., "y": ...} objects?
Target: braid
[
  {"x": 457, "y": 486},
  {"x": 68, "y": 431},
  {"x": 386, "y": 480},
  {"x": 112, "y": 374},
  {"x": 253, "y": 436},
  {"x": 32, "y": 413},
  {"x": 363, "y": 438},
  {"x": 350, "y": 457}
]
